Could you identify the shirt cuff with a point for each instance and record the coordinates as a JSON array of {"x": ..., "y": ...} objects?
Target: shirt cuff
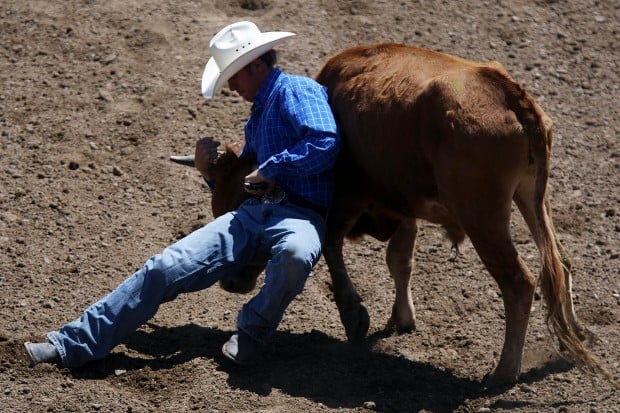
[{"x": 268, "y": 169}]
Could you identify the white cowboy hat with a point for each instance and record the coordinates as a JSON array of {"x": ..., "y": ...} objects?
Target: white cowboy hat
[{"x": 232, "y": 48}]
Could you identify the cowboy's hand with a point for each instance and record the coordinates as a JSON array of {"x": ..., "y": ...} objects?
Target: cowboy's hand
[
  {"x": 256, "y": 184},
  {"x": 206, "y": 155}
]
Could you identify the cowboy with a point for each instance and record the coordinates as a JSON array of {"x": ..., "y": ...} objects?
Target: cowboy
[{"x": 293, "y": 135}]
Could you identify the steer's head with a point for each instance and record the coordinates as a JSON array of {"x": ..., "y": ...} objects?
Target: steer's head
[{"x": 229, "y": 172}]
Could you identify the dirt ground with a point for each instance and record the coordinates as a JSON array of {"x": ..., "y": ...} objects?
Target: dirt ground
[{"x": 97, "y": 94}]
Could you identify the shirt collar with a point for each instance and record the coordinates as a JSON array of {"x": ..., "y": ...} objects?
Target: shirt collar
[{"x": 265, "y": 90}]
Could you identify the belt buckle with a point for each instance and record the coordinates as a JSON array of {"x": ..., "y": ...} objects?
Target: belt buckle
[{"x": 274, "y": 197}]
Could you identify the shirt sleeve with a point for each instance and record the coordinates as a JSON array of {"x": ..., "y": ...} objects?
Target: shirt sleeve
[{"x": 308, "y": 112}]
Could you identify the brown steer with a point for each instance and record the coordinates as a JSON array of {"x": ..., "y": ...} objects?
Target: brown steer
[{"x": 435, "y": 137}]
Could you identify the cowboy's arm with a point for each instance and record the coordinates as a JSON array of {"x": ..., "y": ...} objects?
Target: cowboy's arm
[{"x": 317, "y": 150}]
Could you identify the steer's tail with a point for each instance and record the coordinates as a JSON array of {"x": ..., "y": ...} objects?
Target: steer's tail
[{"x": 555, "y": 277}]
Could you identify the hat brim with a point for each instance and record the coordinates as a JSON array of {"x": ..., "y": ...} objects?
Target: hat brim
[{"x": 213, "y": 78}]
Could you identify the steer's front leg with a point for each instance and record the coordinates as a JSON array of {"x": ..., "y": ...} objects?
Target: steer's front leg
[
  {"x": 399, "y": 258},
  {"x": 353, "y": 314}
]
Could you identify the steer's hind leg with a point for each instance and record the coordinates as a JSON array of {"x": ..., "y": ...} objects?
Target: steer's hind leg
[
  {"x": 399, "y": 258},
  {"x": 489, "y": 233}
]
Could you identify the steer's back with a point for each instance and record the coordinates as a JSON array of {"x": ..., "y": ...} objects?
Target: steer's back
[{"x": 413, "y": 119}]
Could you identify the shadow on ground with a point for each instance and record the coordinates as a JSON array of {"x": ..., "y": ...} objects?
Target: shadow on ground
[{"x": 295, "y": 364}]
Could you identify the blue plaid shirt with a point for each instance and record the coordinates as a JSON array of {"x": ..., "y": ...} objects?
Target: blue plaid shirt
[{"x": 293, "y": 134}]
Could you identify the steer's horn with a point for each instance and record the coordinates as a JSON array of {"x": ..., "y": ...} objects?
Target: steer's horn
[{"x": 187, "y": 160}]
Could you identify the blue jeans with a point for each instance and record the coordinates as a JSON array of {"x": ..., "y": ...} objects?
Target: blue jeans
[{"x": 284, "y": 236}]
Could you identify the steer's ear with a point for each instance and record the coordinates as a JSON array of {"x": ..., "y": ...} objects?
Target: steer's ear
[{"x": 236, "y": 148}]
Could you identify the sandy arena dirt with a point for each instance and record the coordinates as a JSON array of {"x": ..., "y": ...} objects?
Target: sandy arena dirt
[{"x": 97, "y": 94}]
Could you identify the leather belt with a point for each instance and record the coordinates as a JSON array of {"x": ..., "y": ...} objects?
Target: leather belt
[{"x": 278, "y": 195}]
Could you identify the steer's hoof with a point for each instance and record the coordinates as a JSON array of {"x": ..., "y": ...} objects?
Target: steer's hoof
[
  {"x": 356, "y": 324},
  {"x": 401, "y": 327},
  {"x": 492, "y": 380}
]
